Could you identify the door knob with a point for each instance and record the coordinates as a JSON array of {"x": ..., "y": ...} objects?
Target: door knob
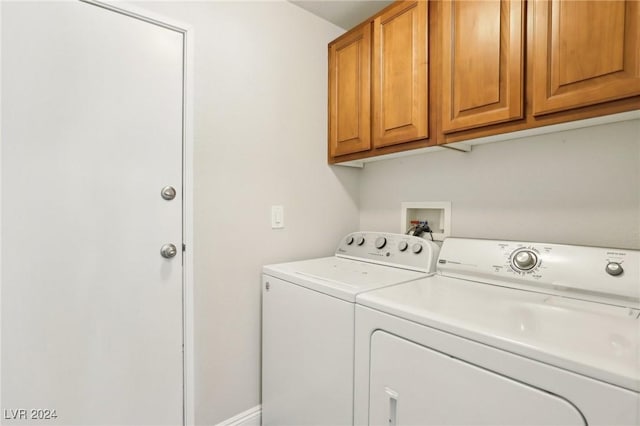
[{"x": 168, "y": 251}]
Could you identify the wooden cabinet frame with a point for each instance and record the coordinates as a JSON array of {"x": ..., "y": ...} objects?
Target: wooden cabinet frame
[{"x": 526, "y": 77}]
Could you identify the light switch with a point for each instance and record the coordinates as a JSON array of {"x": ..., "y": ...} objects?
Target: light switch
[{"x": 277, "y": 217}]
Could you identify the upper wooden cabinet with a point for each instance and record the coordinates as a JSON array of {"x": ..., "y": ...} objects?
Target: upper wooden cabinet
[
  {"x": 349, "y": 92},
  {"x": 400, "y": 74},
  {"x": 482, "y": 63},
  {"x": 421, "y": 73},
  {"x": 584, "y": 53}
]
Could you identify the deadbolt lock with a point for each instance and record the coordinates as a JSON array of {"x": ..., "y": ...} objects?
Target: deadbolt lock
[{"x": 168, "y": 193}]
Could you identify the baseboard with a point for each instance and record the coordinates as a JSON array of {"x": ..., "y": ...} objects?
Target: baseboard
[{"x": 251, "y": 417}]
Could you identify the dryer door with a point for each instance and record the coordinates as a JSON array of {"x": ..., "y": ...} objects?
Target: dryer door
[{"x": 411, "y": 384}]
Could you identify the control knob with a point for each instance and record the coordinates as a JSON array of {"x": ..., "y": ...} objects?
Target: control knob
[
  {"x": 380, "y": 242},
  {"x": 614, "y": 268},
  {"x": 525, "y": 260},
  {"x": 349, "y": 240},
  {"x": 360, "y": 240},
  {"x": 402, "y": 245},
  {"x": 416, "y": 248}
]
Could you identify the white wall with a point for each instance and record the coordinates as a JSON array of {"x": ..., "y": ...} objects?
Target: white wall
[
  {"x": 260, "y": 139},
  {"x": 576, "y": 187}
]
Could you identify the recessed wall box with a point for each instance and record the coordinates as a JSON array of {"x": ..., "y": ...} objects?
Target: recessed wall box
[{"x": 436, "y": 213}]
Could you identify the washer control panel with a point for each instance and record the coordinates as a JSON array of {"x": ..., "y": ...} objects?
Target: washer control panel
[
  {"x": 403, "y": 251},
  {"x": 590, "y": 273}
]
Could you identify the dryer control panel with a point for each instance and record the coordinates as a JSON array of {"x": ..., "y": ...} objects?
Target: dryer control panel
[
  {"x": 399, "y": 250},
  {"x": 589, "y": 273}
]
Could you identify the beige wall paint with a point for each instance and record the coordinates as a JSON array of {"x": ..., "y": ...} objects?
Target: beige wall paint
[
  {"x": 260, "y": 139},
  {"x": 575, "y": 187}
]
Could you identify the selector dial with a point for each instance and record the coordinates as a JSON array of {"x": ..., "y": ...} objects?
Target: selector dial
[
  {"x": 349, "y": 240},
  {"x": 416, "y": 248},
  {"x": 525, "y": 260},
  {"x": 380, "y": 242},
  {"x": 402, "y": 245},
  {"x": 614, "y": 268},
  {"x": 360, "y": 240}
]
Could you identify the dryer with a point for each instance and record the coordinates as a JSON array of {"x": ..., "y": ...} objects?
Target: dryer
[
  {"x": 505, "y": 333},
  {"x": 308, "y": 310}
]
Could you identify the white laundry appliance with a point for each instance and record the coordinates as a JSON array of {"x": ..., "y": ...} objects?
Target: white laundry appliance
[
  {"x": 507, "y": 333},
  {"x": 308, "y": 310}
]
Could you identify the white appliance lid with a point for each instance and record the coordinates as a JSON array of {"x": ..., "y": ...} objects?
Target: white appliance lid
[
  {"x": 597, "y": 340},
  {"x": 340, "y": 277}
]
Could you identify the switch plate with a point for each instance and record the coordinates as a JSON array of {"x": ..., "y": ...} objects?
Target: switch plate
[{"x": 277, "y": 217}]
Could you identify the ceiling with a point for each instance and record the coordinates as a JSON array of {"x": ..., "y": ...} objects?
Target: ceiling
[{"x": 345, "y": 14}]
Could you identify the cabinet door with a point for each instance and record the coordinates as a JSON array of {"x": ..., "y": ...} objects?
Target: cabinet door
[
  {"x": 482, "y": 58},
  {"x": 584, "y": 53},
  {"x": 400, "y": 90},
  {"x": 349, "y": 93}
]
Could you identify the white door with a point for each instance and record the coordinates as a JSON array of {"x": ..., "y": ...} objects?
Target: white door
[{"x": 91, "y": 133}]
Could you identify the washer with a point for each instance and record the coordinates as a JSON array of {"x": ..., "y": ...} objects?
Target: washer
[
  {"x": 505, "y": 333},
  {"x": 308, "y": 310}
]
